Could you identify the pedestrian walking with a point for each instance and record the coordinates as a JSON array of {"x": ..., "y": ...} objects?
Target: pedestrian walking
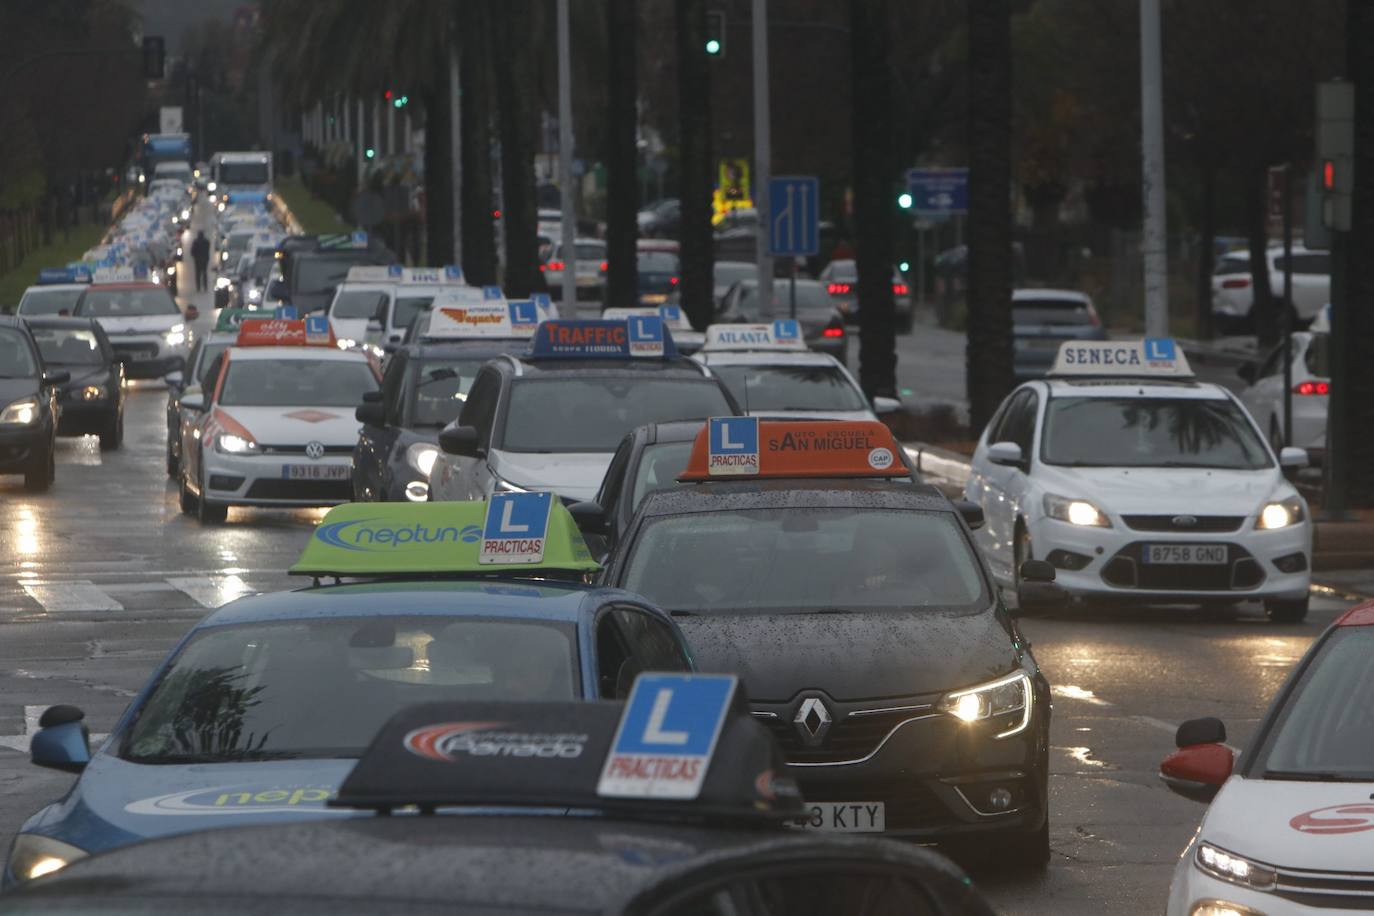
[{"x": 200, "y": 253}]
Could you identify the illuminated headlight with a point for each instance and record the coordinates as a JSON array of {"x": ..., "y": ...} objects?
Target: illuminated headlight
[
  {"x": 178, "y": 251},
  {"x": 176, "y": 335},
  {"x": 171, "y": 270},
  {"x": 1075, "y": 512},
  {"x": 93, "y": 392},
  {"x": 230, "y": 444},
  {"x": 212, "y": 187},
  {"x": 224, "y": 256},
  {"x": 254, "y": 294},
  {"x": 1008, "y": 699},
  {"x": 176, "y": 220},
  {"x": 185, "y": 214},
  {"x": 220, "y": 207},
  {"x": 20, "y": 413},
  {"x": 1236, "y": 869},
  {"x": 1280, "y": 514},
  {"x": 505, "y": 486},
  {"x": 346, "y": 343},
  {"x": 142, "y": 179},
  {"x": 34, "y": 856},
  {"x": 421, "y": 457},
  {"x": 1221, "y": 908},
  {"x": 223, "y": 283}
]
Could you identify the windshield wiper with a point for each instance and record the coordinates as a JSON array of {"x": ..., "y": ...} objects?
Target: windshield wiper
[{"x": 1313, "y": 776}]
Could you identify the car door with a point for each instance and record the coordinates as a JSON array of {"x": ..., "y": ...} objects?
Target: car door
[
  {"x": 374, "y": 442},
  {"x": 1023, "y": 429},
  {"x": 1264, "y": 397},
  {"x": 998, "y": 482},
  {"x": 193, "y": 421}
]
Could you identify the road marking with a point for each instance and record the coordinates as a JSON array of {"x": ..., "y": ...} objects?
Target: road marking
[
  {"x": 31, "y": 716},
  {"x": 71, "y": 596},
  {"x": 212, "y": 591},
  {"x": 1072, "y": 692}
]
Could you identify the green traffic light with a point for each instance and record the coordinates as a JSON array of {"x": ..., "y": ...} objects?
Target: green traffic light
[
  {"x": 904, "y": 201},
  {"x": 369, "y": 152},
  {"x": 712, "y": 46}
]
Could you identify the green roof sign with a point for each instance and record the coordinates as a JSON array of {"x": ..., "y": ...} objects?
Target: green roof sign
[
  {"x": 530, "y": 533},
  {"x": 230, "y": 319}
]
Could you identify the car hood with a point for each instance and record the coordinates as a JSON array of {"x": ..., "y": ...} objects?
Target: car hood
[
  {"x": 139, "y": 324},
  {"x": 572, "y": 475},
  {"x": 860, "y": 655},
  {"x": 1164, "y": 491},
  {"x": 12, "y": 389},
  {"x": 116, "y": 802},
  {"x": 813, "y": 414},
  {"x": 82, "y": 375},
  {"x": 1324, "y": 826},
  {"x": 297, "y": 425},
  {"x": 349, "y": 328}
]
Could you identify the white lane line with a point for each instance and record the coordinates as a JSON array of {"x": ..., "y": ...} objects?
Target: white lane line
[
  {"x": 212, "y": 591},
  {"x": 31, "y": 717},
  {"x": 71, "y": 596},
  {"x": 1071, "y": 692}
]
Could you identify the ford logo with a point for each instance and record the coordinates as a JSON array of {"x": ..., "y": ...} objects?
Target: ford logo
[{"x": 1184, "y": 521}]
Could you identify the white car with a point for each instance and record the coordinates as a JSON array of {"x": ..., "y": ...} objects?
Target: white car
[
  {"x": 146, "y": 327},
  {"x": 1232, "y": 294},
  {"x": 771, "y": 373},
  {"x": 1311, "y": 392},
  {"x": 52, "y": 296},
  {"x": 589, "y": 267},
  {"x": 355, "y": 306},
  {"x": 1137, "y": 482},
  {"x": 275, "y": 428},
  {"x": 1290, "y": 828}
]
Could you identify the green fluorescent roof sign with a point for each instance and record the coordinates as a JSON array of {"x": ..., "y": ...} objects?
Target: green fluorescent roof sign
[
  {"x": 230, "y": 319},
  {"x": 444, "y": 538}
]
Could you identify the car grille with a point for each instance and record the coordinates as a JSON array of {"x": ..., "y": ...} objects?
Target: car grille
[
  {"x": 320, "y": 491},
  {"x": 1205, "y": 524},
  {"x": 300, "y": 449},
  {"x": 1327, "y": 889},
  {"x": 1240, "y": 572},
  {"x": 853, "y": 737}
]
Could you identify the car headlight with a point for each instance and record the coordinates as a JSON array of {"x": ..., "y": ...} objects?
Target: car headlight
[
  {"x": 92, "y": 392},
  {"x": 1076, "y": 512},
  {"x": 34, "y": 856},
  {"x": 171, "y": 269},
  {"x": 230, "y": 444},
  {"x": 212, "y": 187},
  {"x": 421, "y": 456},
  {"x": 1221, "y": 908},
  {"x": 1228, "y": 866},
  {"x": 346, "y": 343},
  {"x": 185, "y": 214},
  {"x": 500, "y": 485},
  {"x": 1280, "y": 514},
  {"x": 254, "y": 294},
  {"x": 221, "y": 206},
  {"x": 223, "y": 283},
  {"x": 1007, "y": 700},
  {"x": 20, "y": 413},
  {"x": 176, "y": 335}
]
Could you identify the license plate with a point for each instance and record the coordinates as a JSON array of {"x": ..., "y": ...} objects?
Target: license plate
[
  {"x": 653, "y": 298},
  {"x": 316, "y": 471},
  {"x": 1186, "y": 554},
  {"x": 848, "y": 817}
]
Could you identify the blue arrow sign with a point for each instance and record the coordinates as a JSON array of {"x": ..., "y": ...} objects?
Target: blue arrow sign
[{"x": 794, "y": 216}]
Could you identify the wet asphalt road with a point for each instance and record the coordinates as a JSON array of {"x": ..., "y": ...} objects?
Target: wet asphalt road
[{"x": 100, "y": 577}]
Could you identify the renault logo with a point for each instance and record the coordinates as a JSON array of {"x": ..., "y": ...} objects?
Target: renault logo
[
  {"x": 1184, "y": 521},
  {"x": 812, "y": 721},
  {"x": 314, "y": 450}
]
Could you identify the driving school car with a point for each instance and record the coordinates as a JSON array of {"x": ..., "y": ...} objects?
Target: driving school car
[
  {"x": 688, "y": 339},
  {"x": 146, "y": 327},
  {"x": 1138, "y": 482},
  {"x": 275, "y": 424},
  {"x": 262, "y": 709},
  {"x": 1291, "y": 828}
]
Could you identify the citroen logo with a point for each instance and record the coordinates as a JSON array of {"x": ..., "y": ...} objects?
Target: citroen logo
[
  {"x": 812, "y": 721},
  {"x": 314, "y": 450},
  {"x": 1184, "y": 521}
]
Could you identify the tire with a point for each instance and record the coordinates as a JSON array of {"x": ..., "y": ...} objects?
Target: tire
[
  {"x": 1027, "y": 851},
  {"x": 208, "y": 513},
  {"x": 1291, "y": 611},
  {"x": 41, "y": 476},
  {"x": 113, "y": 437},
  {"x": 187, "y": 501}
]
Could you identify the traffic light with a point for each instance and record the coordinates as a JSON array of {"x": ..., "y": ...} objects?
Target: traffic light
[
  {"x": 1335, "y": 152},
  {"x": 154, "y": 57},
  {"x": 401, "y": 101},
  {"x": 904, "y": 200},
  {"x": 715, "y": 34}
]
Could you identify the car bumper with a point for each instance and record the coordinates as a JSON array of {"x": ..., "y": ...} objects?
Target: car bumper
[
  {"x": 19, "y": 445},
  {"x": 1192, "y": 888},
  {"x": 1111, "y": 562},
  {"x": 149, "y": 356},
  {"x": 84, "y": 417},
  {"x": 260, "y": 480}
]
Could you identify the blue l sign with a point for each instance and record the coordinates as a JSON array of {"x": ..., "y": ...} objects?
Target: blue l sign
[
  {"x": 515, "y": 528},
  {"x": 646, "y": 335},
  {"x": 1160, "y": 349},
  {"x": 794, "y": 216},
  {"x": 523, "y": 313},
  {"x": 733, "y": 446}
]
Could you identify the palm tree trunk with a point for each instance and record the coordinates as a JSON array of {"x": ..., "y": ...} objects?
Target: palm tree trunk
[
  {"x": 513, "y": 26},
  {"x": 871, "y": 122},
  {"x": 1207, "y": 248},
  {"x": 1352, "y": 330},
  {"x": 989, "y": 222},
  {"x": 694, "y": 145},
  {"x": 479, "y": 239},
  {"x": 622, "y": 155},
  {"x": 438, "y": 175},
  {"x": 1264, "y": 310}
]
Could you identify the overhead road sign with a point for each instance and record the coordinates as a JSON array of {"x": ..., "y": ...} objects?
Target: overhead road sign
[
  {"x": 938, "y": 191},
  {"x": 794, "y": 216}
]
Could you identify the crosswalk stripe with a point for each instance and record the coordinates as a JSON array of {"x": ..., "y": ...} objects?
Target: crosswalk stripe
[
  {"x": 71, "y": 596},
  {"x": 212, "y": 591}
]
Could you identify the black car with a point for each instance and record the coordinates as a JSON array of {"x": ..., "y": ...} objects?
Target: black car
[
  {"x": 92, "y": 398},
  {"x": 658, "y": 276},
  {"x": 822, "y": 322},
  {"x": 29, "y": 410},
  {"x": 726, "y": 849},
  {"x": 312, "y": 266},
  {"x": 424, "y": 386},
  {"x": 857, "y": 610}
]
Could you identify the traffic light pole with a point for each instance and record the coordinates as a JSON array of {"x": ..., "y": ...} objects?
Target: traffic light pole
[
  {"x": 565, "y": 155},
  {"x": 1288, "y": 304},
  {"x": 763, "y": 157}
]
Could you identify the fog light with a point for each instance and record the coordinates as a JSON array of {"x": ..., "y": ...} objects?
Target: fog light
[
  {"x": 999, "y": 799},
  {"x": 1067, "y": 559},
  {"x": 1292, "y": 563},
  {"x": 417, "y": 491}
]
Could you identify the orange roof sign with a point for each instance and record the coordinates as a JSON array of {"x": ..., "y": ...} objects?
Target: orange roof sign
[
  {"x": 311, "y": 331},
  {"x": 749, "y": 447}
]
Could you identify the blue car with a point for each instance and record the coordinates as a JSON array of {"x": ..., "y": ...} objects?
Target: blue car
[{"x": 266, "y": 705}]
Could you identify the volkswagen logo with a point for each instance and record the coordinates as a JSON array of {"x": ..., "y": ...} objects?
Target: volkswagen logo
[
  {"x": 812, "y": 721},
  {"x": 314, "y": 450},
  {"x": 1184, "y": 521}
]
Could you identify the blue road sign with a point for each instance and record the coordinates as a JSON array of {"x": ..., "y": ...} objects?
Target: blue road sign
[
  {"x": 938, "y": 191},
  {"x": 794, "y": 216}
]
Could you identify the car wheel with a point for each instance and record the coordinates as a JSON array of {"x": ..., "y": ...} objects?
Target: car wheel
[
  {"x": 1287, "y": 611},
  {"x": 1027, "y": 850},
  {"x": 184, "y": 497},
  {"x": 113, "y": 437},
  {"x": 44, "y": 471}
]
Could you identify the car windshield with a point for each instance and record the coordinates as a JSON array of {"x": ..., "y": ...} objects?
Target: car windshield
[
  {"x": 49, "y": 301},
  {"x": 441, "y": 386},
  {"x": 658, "y": 468},
  {"x": 356, "y": 303},
  {"x": 16, "y": 358},
  {"x": 126, "y": 303},
  {"x": 208, "y": 353},
  {"x": 1151, "y": 432},
  {"x": 1052, "y": 311},
  {"x": 407, "y": 307},
  {"x": 262, "y": 268},
  {"x": 318, "y": 275},
  {"x": 1326, "y": 727},
  {"x": 791, "y": 388},
  {"x": 323, "y": 687},
  {"x": 231, "y": 173},
  {"x": 812, "y": 299},
  {"x": 68, "y": 346},
  {"x": 805, "y": 559},
  {"x": 298, "y": 381},
  {"x": 660, "y": 262},
  {"x": 584, "y": 414},
  {"x": 1318, "y": 358}
]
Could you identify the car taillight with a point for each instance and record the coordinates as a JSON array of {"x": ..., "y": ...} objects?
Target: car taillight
[
  {"x": 1237, "y": 283},
  {"x": 555, "y": 265},
  {"x": 1306, "y": 388},
  {"x": 605, "y": 266},
  {"x": 900, "y": 289},
  {"x": 838, "y": 289},
  {"x": 833, "y": 332},
  {"x": 672, "y": 281}
]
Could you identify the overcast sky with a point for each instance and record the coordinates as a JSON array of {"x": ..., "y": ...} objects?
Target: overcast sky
[{"x": 171, "y": 18}]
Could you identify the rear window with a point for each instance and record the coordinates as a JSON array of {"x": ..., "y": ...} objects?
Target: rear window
[
  {"x": 589, "y": 414},
  {"x": 812, "y": 298},
  {"x": 590, "y": 252},
  {"x": 48, "y": 301},
  {"x": 1227, "y": 266},
  {"x": 658, "y": 261},
  {"x": 791, "y": 388},
  {"x": 125, "y": 303},
  {"x": 1318, "y": 262},
  {"x": 356, "y": 304},
  {"x": 1318, "y": 358},
  {"x": 1052, "y": 311}
]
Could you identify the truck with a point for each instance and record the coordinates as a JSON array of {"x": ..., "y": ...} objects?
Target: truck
[
  {"x": 164, "y": 148},
  {"x": 249, "y": 171}
]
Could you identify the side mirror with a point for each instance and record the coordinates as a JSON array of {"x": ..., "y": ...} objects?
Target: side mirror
[
  {"x": 371, "y": 414},
  {"x": 882, "y": 405},
  {"x": 460, "y": 440},
  {"x": 590, "y": 517},
  {"x": 192, "y": 313},
  {"x": 277, "y": 290},
  {"x": 173, "y": 379},
  {"x": 374, "y": 325},
  {"x": 372, "y": 397},
  {"x": 193, "y": 398},
  {"x": 1007, "y": 454},
  {"x": 62, "y": 742},
  {"x": 1294, "y": 458},
  {"x": 1202, "y": 763},
  {"x": 1037, "y": 592},
  {"x": 972, "y": 513},
  {"x": 1248, "y": 371}
]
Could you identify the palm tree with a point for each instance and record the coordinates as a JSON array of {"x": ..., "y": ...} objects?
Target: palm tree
[
  {"x": 989, "y": 221},
  {"x": 622, "y": 154},
  {"x": 474, "y": 64},
  {"x": 517, "y": 98},
  {"x": 694, "y": 144}
]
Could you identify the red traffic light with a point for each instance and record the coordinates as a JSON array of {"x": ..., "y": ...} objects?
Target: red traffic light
[
  {"x": 1328, "y": 175},
  {"x": 387, "y": 95}
]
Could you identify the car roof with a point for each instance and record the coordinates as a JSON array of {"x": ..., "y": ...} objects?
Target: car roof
[
  {"x": 469, "y": 346},
  {"x": 59, "y": 321},
  {"x": 1039, "y": 294},
  {"x": 526, "y": 599},
  {"x": 791, "y": 493},
  {"x": 279, "y": 354},
  {"x": 1361, "y": 615},
  {"x": 766, "y": 358},
  {"x": 367, "y": 286},
  {"x": 1183, "y": 389},
  {"x": 41, "y": 287}
]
